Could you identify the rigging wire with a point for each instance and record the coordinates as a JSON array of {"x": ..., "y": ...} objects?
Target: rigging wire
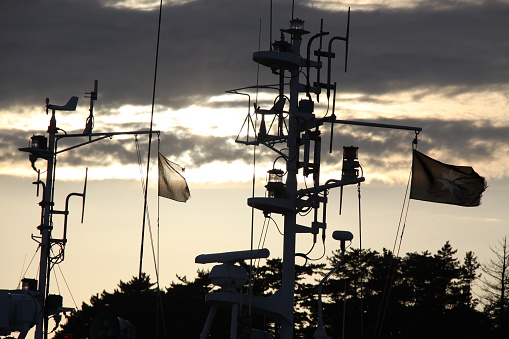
[
  {"x": 148, "y": 215},
  {"x": 150, "y": 139},
  {"x": 56, "y": 281},
  {"x": 390, "y": 275},
  {"x": 67, "y": 285},
  {"x": 153, "y": 247},
  {"x": 251, "y": 272},
  {"x": 258, "y": 74},
  {"x": 263, "y": 237},
  {"x": 22, "y": 268},
  {"x": 362, "y": 271},
  {"x": 157, "y": 260},
  {"x": 263, "y": 233},
  {"x": 145, "y": 199},
  {"x": 395, "y": 254},
  {"x": 392, "y": 265},
  {"x": 251, "y": 269},
  {"x": 28, "y": 267},
  {"x": 255, "y": 266}
]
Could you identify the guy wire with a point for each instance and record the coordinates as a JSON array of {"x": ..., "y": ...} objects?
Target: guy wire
[
  {"x": 395, "y": 254},
  {"x": 145, "y": 198}
]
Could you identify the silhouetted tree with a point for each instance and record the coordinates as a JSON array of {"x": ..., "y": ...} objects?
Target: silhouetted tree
[
  {"x": 267, "y": 280},
  {"x": 468, "y": 276},
  {"x": 418, "y": 296},
  {"x": 185, "y": 310},
  {"x": 127, "y": 302},
  {"x": 495, "y": 289},
  {"x": 373, "y": 294}
]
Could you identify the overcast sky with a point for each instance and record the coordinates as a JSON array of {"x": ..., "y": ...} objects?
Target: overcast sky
[{"x": 440, "y": 65}]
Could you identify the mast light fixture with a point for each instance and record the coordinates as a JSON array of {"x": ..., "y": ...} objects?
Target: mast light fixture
[
  {"x": 350, "y": 162},
  {"x": 296, "y": 28},
  {"x": 39, "y": 142},
  {"x": 275, "y": 185},
  {"x": 296, "y": 23},
  {"x": 28, "y": 284}
]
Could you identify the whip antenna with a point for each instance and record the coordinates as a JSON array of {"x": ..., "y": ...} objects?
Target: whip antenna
[
  {"x": 347, "y": 38},
  {"x": 150, "y": 140},
  {"x": 84, "y": 195}
]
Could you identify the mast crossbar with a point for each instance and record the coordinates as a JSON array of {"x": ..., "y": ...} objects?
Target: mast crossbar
[
  {"x": 373, "y": 124},
  {"x": 100, "y": 136}
]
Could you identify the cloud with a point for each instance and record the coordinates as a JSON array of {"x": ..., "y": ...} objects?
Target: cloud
[
  {"x": 58, "y": 48},
  {"x": 381, "y": 150}
]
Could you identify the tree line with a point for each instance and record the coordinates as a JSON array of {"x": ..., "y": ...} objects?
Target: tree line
[{"x": 373, "y": 295}]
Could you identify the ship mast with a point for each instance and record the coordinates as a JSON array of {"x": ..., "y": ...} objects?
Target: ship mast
[
  {"x": 299, "y": 129},
  {"x": 292, "y": 168},
  {"x": 47, "y": 213},
  {"x": 303, "y": 131},
  {"x": 42, "y": 147}
]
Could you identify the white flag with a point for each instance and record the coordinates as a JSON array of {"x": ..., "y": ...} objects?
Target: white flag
[{"x": 172, "y": 184}]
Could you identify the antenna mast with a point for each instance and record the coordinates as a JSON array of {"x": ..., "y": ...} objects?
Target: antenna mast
[
  {"x": 295, "y": 126},
  {"x": 35, "y": 298}
]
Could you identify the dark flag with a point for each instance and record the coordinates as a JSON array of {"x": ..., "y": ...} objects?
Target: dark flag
[
  {"x": 172, "y": 184},
  {"x": 447, "y": 184}
]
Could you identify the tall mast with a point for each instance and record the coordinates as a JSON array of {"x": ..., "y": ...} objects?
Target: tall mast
[
  {"x": 42, "y": 305},
  {"x": 45, "y": 227},
  {"x": 288, "y": 274},
  {"x": 295, "y": 126},
  {"x": 47, "y": 210}
]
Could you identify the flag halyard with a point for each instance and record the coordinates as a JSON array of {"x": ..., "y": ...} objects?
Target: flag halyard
[
  {"x": 172, "y": 184},
  {"x": 437, "y": 182}
]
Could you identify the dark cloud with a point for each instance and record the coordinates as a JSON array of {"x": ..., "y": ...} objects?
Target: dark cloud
[
  {"x": 462, "y": 46},
  {"x": 57, "y": 48},
  {"x": 200, "y": 149},
  {"x": 461, "y": 142},
  {"x": 11, "y": 140}
]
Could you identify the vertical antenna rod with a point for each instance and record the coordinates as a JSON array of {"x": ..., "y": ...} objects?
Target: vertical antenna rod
[
  {"x": 150, "y": 141},
  {"x": 270, "y": 27}
]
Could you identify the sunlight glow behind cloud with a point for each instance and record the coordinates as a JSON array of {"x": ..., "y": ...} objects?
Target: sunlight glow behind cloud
[
  {"x": 143, "y": 5},
  {"x": 444, "y": 103},
  {"x": 371, "y": 5},
  {"x": 222, "y": 116}
]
